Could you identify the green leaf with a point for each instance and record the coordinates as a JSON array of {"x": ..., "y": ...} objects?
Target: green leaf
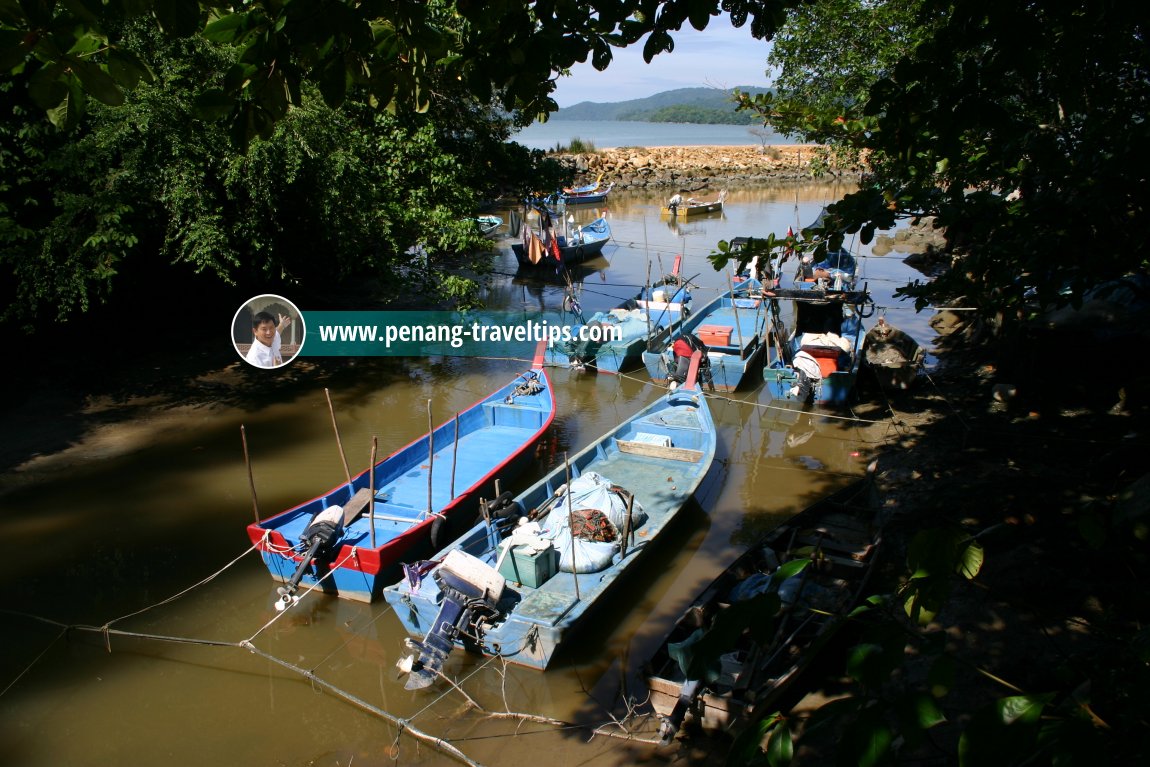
[
  {"x": 46, "y": 87},
  {"x": 127, "y": 69},
  {"x": 333, "y": 82},
  {"x": 919, "y": 710},
  {"x": 66, "y": 114},
  {"x": 178, "y": 18},
  {"x": 1023, "y": 708},
  {"x": 12, "y": 49},
  {"x": 780, "y": 745},
  {"x": 97, "y": 82},
  {"x": 227, "y": 29},
  {"x": 941, "y": 675},
  {"x": 213, "y": 104},
  {"x": 869, "y": 737},
  {"x": 1002, "y": 732}
]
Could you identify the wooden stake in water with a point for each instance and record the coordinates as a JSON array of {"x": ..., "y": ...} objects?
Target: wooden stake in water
[
  {"x": 338, "y": 441},
  {"x": 371, "y": 503},
  {"x": 251, "y": 479}
]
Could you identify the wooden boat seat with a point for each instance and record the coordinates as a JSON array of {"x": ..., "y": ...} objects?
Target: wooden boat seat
[
  {"x": 356, "y": 506},
  {"x": 516, "y": 416},
  {"x": 668, "y": 452}
]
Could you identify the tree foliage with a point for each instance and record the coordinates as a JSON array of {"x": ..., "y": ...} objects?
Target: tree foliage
[
  {"x": 397, "y": 53},
  {"x": 829, "y": 53},
  {"x": 145, "y": 194},
  {"x": 1023, "y": 127}
]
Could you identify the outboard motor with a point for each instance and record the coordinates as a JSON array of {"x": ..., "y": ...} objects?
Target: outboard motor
[
  {"x": 471, "y": 590},
  {"x": 506, "y": 507},
  {"x": 324, "y": 528}
]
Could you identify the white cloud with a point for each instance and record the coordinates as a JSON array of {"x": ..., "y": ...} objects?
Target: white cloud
[{"x": 720, "y": 56}]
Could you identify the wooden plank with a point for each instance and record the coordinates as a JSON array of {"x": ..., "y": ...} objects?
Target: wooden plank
[
  {"x": 356, "y": 506},
  {"x": 660, "y": 451}
]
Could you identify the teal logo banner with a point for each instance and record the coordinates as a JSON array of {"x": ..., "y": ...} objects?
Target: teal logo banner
[{"x": 425, "y": 333}]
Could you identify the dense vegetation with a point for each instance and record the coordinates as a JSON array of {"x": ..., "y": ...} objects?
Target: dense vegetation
[
  {"x": 708, "y": 99},
  {"x": 1017, "y": 125},
  {"x": 685, "y": 113},
  {"x": 104, "y": 204}
]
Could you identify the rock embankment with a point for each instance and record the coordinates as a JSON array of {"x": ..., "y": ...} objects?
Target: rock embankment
[{"x": 694, "y": 168}]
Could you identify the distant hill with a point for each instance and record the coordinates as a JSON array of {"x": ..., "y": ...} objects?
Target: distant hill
[{"x": 703, "y": 105}]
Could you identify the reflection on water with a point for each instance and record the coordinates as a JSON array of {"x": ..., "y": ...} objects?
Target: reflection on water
[{"x": 152, "y": 498}]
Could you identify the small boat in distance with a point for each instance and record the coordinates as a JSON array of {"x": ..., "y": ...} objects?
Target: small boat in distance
[
  {"x": 347, "y": 541},
  {"x": 523, "y": 580},
  {"x": 891, "y": 356},
  {"x": 677, "y": 206},
  {"x": 796, "y": 587},
  {"x": 488, "y": 224},
  {"x": 586, "y": 198}
]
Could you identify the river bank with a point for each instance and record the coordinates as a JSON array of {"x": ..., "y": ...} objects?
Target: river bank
[{"x": 698, "y": 168}]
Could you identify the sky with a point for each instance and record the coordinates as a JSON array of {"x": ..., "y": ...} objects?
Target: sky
[{"x": 720, "y": 56}]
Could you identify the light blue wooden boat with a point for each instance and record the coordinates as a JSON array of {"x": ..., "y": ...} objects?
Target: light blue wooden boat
[
  {"x": 327, "y": 542},
  {"x": 627, "y": 328},
  {"x": 741, "y": 316},
  {"x": 506, "y": 588},
  {"x": 815, "y": 361}
]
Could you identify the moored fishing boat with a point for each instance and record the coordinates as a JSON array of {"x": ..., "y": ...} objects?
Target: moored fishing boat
[
  {"x": 891, "y": 356},
  {"x": 792, "y": 590},
  {"x": 677, "y": 206},
  {"x": 729, "y": 328},
  {"x": 522, "y": 581},
  {"x": 817, "y": 361},
  {"x": 348, "y": 540},
  {"x": 613, "y": 341},
  {"x": 552, "y": 249}
]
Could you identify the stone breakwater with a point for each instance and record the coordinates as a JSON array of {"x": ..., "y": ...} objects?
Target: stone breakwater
[{"x": 693, "y": 168}]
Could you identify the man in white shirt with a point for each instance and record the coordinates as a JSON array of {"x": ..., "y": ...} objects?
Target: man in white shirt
[{"x": 265, "y": 351}]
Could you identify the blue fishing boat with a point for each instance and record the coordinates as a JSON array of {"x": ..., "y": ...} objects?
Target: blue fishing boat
[
  {"x": 817, "y": 361},
  {"x": 827, "y": 267},
  {"x": 553, "y": 249},
  {"x": 731, "y": 331},
  {"x": 592, "y": 196},
  {"x": 521, "y": 582},
  {"x": 348, "y": 540},
  {"x": 613, "y": 341}
]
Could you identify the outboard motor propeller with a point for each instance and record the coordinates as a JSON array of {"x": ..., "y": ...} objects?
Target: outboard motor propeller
[
  {"x": 324, "y": 528},
  {"x": 471, "y": 590}
]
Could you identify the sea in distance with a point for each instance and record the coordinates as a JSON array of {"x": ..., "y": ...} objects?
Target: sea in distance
[{"x": 608, "y": 134}]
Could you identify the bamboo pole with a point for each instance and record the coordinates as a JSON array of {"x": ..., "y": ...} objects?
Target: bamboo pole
[
  {"x": 454, "y": 456},
  {"x": 430, "y": 454},
  {"x": 371, "y": 503},
  {"x": 338, "y": 441},
  {"x": 571, "y": 527},
  {"x": 735, "y": 309},
  {"x": 251, "y": 479}
]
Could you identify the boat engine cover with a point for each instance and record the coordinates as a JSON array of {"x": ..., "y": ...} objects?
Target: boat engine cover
[{"x": 470, "y": 576}]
